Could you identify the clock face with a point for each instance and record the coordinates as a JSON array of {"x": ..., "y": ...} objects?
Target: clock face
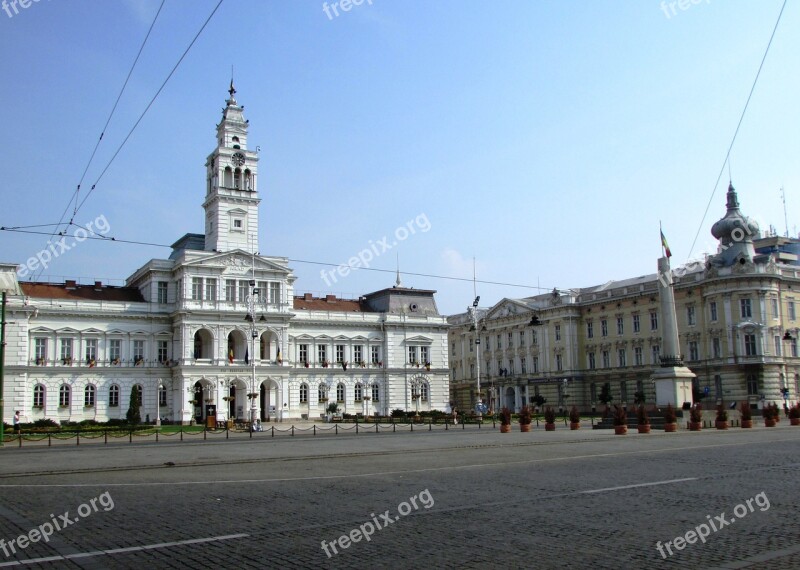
[{"x": 237, "y": 159}]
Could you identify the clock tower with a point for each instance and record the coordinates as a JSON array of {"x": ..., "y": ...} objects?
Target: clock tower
[{"x": 231, "y": 203}]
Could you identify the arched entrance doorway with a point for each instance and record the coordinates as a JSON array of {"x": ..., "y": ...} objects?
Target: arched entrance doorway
[
  {"x": 269, "y": 397},
  {"x": 510, "y": 398}
]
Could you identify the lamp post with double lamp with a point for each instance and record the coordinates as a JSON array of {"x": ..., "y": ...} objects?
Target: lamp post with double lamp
[{"x": 473, "y": 315}]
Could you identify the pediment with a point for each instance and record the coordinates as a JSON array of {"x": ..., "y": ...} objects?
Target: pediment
[
  {"x": 419, "y": 339},
  {"x": 237, "y": 262},
  {"x": 507, "y": 308}
]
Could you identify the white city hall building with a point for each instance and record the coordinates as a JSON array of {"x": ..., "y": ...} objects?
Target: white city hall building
[{"x": 218, "y": 328}]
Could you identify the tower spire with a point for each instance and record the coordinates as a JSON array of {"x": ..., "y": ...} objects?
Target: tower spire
[{"x": 397, "y": 282}]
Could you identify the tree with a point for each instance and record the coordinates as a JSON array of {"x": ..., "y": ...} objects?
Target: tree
[
  {"x": 605, "y": 394},
  {"x": 133, "y": 416},
  {"x": 638, "y": 398}
]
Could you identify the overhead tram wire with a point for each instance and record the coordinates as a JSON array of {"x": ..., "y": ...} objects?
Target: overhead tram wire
[
  {"x": 736, "y": 132},
  {"x": 78, "y": 206},
  {"x": 304, "y": 261},
  {"x": 150, "y": 104},
  {"x": 76, "y": 192}
]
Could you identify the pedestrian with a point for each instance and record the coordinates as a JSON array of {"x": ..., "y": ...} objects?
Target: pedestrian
[
  {"x": 455, "y": 416},
  {"x": 16, "y": 422}
]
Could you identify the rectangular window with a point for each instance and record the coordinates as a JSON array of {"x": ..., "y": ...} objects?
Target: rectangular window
[
  {"x": 275, "y": 293},
  {"x": 606, "y": 359},
  {"x": 778, "y": 340},
  {"x": 746, "y": 308},
  {"x": 655, "y": 353},
  {"x": 339, "y": 353},
  {"x": 376, "y": 392},
  {"x": 244, "y": 291},
  {"x": 472, "y": 345},
  {"x": 230, "y": 290},
  {"x": 558, "y": 332},
  {"x": 304, "y": 353},
  {"x": 163, "y": 289},
  {"x": 591, "y": 362},
  {"x": 114, "y": 349},
  {"x": 499, "y": 342},
  {"x": 716, "y": 347},
  {"x": 750, "y": 345},
  {"x": 718, "y": 386},
  {"x": 91, "y": 350},
  {"x": 534, "y": 338},
  {"x": 604, "y": 327},
  {"x": 636, "y": 323},
  {"x": 375, "y": 353},
  {"x": 590, "y": 329},
  {"x": 620, "y": 325},
  {"x": 412, "y": 355},
  {"x": 773, "y": 303},
  {"x": 559, "y": 364},
  {"x": 358, "y": 353},
  {"x": 263, "y": 291},
  {"x": 138, "y": 350},
  {"x": 622, "y": 358},
  {"x": 113, "y": 396},
  {"x": 66, "y": 348},
  {"x": 535, "y": 365},
  {"x": 752, "y": 385},
  {"x": 322, "y": 353},
  {"x": 638, "y": 358},
  {"x": 712, "y": 308},
  {"x": 523, "y": 365},
  {"x": 522, "y": 338},
  {"x": 211, "y": 289},
  {"x": 40, "y": 350},
  {"x": 424, "y": 355},
  {"x": 653, "y": 320},
  {"x": 791, "y": 310},
  {"x": 89, "y": 394},
  {"x": 693, "y": 352},
  {"x": 163, "y": 357},
  {"x": 453, "y": 349},
  {"x": 510, "y": 339},
  {"x": 623, "y": 392},
  {"x": 197, "y": 288},
  {"x": 793, "y": 345},
  {"x": 691, "y": 319}
]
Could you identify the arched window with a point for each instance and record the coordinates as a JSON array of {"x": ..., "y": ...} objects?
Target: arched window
[
  {"x": 64, "y": 395},
  {"x": 423, "y": 391},
  {"x": 89, "y": 394},
  {"x": 227, "y": 177},
  {"x": 376, "y": 392},
  {"x": 322, "y": 391},
  {"x": 340, "y": 392},
  {"x": 113, "y": 396},
  {"x": 38, "y": 396},
  {"x": 358, "y": 392},
  {"x": 303, "y": 393},
  {"x": 162, "y": 396},
  {"x": 237, "y": 178}
]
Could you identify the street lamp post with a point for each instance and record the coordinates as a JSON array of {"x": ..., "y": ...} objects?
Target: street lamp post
[
  {"x": 251, "y": 312},
  {"x": 159, "y": 387},
  {"x": 473, "y": 313},
  {"x": 2, "y": 363}
]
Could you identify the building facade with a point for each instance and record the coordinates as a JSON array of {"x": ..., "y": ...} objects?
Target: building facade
[
  {"x": 217, "y": 329},
  {"x": 737, "y": 322}
]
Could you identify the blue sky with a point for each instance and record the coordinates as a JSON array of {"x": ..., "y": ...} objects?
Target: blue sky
[{"x": 546, "y": 139}]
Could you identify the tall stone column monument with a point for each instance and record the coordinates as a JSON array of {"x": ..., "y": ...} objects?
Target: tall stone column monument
[{"x": 673, "y": 380}]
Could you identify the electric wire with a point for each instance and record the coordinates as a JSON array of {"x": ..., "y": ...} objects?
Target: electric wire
[{"x": 736, "y": 132}]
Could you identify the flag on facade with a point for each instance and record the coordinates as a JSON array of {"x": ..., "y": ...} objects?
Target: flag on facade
[
  {"x": 665, "y": 245},
  {"x": 247, "y": 356},
  {"x": 230, "y": 356}
]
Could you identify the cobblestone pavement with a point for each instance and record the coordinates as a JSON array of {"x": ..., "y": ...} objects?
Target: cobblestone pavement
[{"x": 456, "y": 499}]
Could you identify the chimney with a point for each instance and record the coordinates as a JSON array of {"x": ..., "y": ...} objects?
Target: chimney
[
  {"x": 98, "y": 285},
  {"x": 307, "y": 297},
  {"x": 70, "y": 285},
  {"x": 330, "y": 298}
]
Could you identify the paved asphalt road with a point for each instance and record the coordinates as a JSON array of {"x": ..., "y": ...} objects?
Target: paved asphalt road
[{"x": 455, "y": 499}]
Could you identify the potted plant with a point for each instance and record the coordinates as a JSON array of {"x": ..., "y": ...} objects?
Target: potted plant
[
  {"x": 574, "y": 418},
  {"x": 746, "y": 415},
  {"x": 670, "y": 419},
  {"x": 770, "y": 414},
  {"x": 620, "y": 420},
  {"x": 549, "y": 419},
  {"x": 722, "y": 417},
  {"x": 642, "y": 419},
  {"x": 696, "y": 418},
  {"x": 794, "y": 415},
  {"x": 525, "y": 418},
  {"x": 505, "y": 420}
]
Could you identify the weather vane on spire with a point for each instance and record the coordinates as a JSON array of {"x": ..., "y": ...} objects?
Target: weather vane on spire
[{"x": 232, "y": 90}]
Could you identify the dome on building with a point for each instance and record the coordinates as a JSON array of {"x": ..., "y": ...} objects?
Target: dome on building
[{"x": 734, "y": 226}]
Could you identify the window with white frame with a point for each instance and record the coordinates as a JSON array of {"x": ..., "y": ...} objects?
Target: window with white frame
[
  {"x": 557, "y": 332},
  {"x": 423, "y": 391},
  {"x": 790, "y": 308},
  {"x": 230, "y": 290},
  {"x": 114, "y": 349},
  {"x": 620, "y": 326},
  {"x": 559, "y": 363},
  {"x": 375, "y": 354},
  {"x": 424, "y": 355},
  {"x": 773, "y": 303},
  {"x": 322, "y": 393},
  {"x": 606, "y": 359},
  {"x": 211, "y": 289},
  {"x": 358, "y": 392},
  {"x": 322, "y": 353},
  {"x": 376, "y": 392},
  {"x": 534, "y": 338},
  {"x": 358, "y": 353},
  {"x": 303, "y": 353},
  {"x": 138, "y": 350},
  {"x": 655, "y": 352},
  {"x": 91, "y": 350},
  {"x": 653, "y": 320},
  {"x": 40, "y": 350},
  {"x": 778, "y": 341},
  {"x": 522, "y": 338},
  {"x": 589, "y": 329},
  {"x": 244, "y": 291},
  {"x": 694, "y": 354},
  {"x": 413, "y": 355},
  {"x": 712, "y": 309},
  {"x": 750, "y": 345},
  {"x": 64, "y": 395},
  {"x": 622, "y": 358},
  {"x": 510, "y": 339},
  {"x": 691, "y": 318},
  {"x": 638, "y": 358},
  {"x": 163, "y": 290},
  {"x": 89, "y": 396},
  {"x": 162, "y": 347},
  {"x": 637, "y": 325},
  {"x": 113, "y": 396},
  {"x": 746, "y": 308},
  {"x": 523, "y": 365},
  {"x": 197, "y": 288},
  {"x": 535, "y": 365},
  {"x": 339, "y": 353},
  {"x": 340, "y": 393},
  {"x": 66, "y": 348},
  {"x": 162, "y": 396},
  {"x": 603, "y": 327},
  {"x": 716, "y": 347},
  {"x": 38, "y": 396},
  {"x": 304, "y": 393},
  {"x": 275, "y": 293},
  {"x": 499, "y": 342},
  {"x": 591, "y": 360}
]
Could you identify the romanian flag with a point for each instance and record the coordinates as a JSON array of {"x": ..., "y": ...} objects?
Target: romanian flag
[
  {"x": 665, "y": 245},
  {"x": 230, "y": 356}
]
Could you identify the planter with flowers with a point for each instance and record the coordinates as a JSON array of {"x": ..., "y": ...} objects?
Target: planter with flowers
[
  {"x": 746, "y": 413},
  {"x": 549, "y": 419},
  {"x": 574, "y": 418},
  {"x": 794, "y": 415},
  {"x": 771, "y": 415},
  {"x": 696, "y": 418},
  {"x": 722, "y": 418},
  {"x": 505, "y": 420},
  {"x": 620, "y": 420},
  {"x": 525, "y": 418},
  {"x": 670, "y": 419}
]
